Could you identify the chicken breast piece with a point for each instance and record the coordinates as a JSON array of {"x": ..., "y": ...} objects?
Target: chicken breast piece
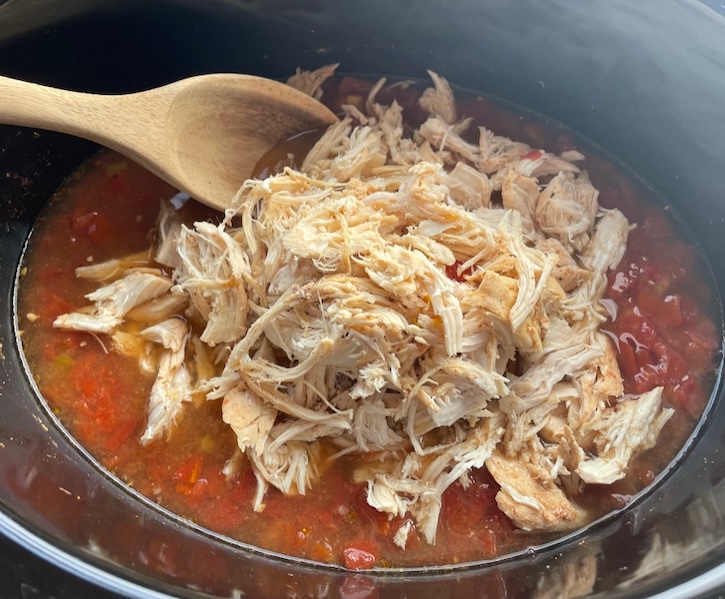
[
  {"x": 469, "y": 187},
  {"x": 622, "y": 431},
  {"x": 538, "y": 163},
  {"x": 310, "y": 82},
  {"x": 496, "y": 152},
  {"x": 114, "y": 301},
  {"x": 521, "y": 193},
  {"x": 567, "y": 208},
  {"x": 567, "y": 271},
  {"x": 250, "y": 418},
  {"x": 213, "y": 271},
  {"x": 439, "y": 101},
  {"x": 535, "y": 385},
  {"x": 442, "y": 136},
  {"x": 532, "y": 504},
  {"x": 172, "y": 386}
]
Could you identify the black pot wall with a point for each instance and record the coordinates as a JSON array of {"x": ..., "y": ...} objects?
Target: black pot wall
[{"x": 645, "y": 80}]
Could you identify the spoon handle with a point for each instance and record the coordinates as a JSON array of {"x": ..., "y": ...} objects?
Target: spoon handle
[
  {"x": 111, "y": 120},
  {"x": 203, "y": 135}
]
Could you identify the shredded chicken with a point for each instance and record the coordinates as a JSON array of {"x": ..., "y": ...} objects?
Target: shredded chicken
[
  {"x": 172, "y": 385},
  {"x": 375, "y": 301},
  {"x": 532, "y": 504},
  {"x": 311, "y": 82},
  {"x": 114, "y": 301}
]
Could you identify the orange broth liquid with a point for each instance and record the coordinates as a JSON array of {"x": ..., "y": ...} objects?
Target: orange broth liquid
[{"x": 663, "y": 327}]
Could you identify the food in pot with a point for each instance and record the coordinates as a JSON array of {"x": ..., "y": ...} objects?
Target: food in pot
[{"x": 428, "y": 343}]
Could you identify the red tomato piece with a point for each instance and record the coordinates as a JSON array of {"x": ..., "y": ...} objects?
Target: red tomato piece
[
  {"x": 189, "y": 470},
  {"x": 671, "y": 364},
  {"x": 452, "y": 272},
  {"x": 53, "y": 306},
  {"x": 667, "y": 311},
  {"x": 361, "y": 555},
  {"x": 532, "y": 155},
  {"x": 122, "y": 434},
  {"x": 708, "y": 341},
  {"x": 683, "y": 393}
]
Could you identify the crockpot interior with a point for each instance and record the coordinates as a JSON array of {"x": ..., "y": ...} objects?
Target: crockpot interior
[{"x": 645, "y": 81}]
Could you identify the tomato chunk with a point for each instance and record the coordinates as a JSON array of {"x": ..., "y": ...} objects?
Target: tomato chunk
[
  {"x": 665, "y": 309},
  {"x": 361, "y": 556}
]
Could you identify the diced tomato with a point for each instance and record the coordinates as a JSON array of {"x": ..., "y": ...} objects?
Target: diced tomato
[
  {"x": 452, "y": 272},
  {"x": 231, "y": 503},
  {"x": 683, "y": 392},
  {"x": 121, "y": 435},
  {"x": 631, "y": 325},
  {"x": 708, "y": 341},
  {"x": 363, "y": 555},
  {"x": 189, "y": 470},
  {"x": 532, "y": 155},
  {"x": 652, "y": 318},
  {"x": 471, "y": 513},
  {"x": 53, "y": 306},
  {"x": 619, "y": 284},
  {"x": 625, "y": 279},
  {"x": 98, "y": 411},
  {"x": 666, "y": 310}
]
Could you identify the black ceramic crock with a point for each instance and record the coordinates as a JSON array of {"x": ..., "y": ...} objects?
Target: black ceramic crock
[{"x": 645, "y": 80}]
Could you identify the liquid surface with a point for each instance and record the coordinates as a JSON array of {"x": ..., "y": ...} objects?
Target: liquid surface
[{"x": 660, "y": 322}]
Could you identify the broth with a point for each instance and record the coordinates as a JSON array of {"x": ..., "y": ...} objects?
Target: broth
[{"x": 661, "y": 323}]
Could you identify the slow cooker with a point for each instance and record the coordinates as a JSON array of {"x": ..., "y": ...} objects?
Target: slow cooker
[{"x": 644, "y": 80}]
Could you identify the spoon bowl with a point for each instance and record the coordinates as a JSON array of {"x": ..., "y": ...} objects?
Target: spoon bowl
[{"x": 204, "y": 135}]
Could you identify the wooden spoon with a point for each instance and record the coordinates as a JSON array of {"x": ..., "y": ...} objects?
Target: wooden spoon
[{"x": 203, "y": 135}]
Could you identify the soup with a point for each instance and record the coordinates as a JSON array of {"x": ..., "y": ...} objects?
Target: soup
[{"x": 438, "y": 352}]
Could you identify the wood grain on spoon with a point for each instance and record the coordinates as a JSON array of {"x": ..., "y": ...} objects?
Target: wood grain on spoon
[{"x": 204, "y": 135}]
